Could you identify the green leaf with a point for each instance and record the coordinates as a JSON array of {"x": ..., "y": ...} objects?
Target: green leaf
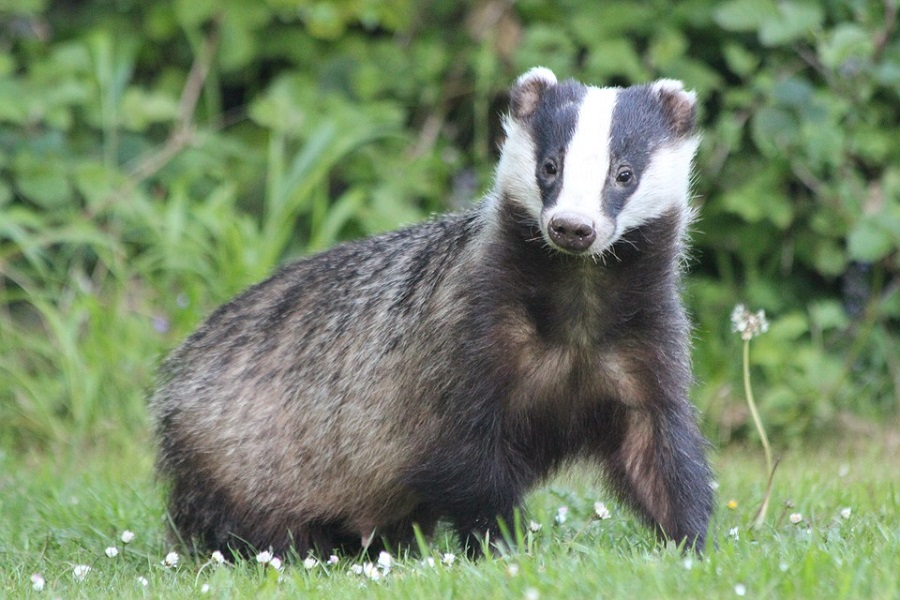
[
  {"x": 794, "y": 21},
  {"x": 745, "y": 15},
  {"x": 872, "y": 238},
  {"x": 740, "y": 60},
  {"x": 774, "y": 130},
  {"x": 846, "y": 42}
]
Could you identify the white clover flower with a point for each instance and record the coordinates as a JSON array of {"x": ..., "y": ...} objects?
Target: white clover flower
[
  {"x": 264, "y": 557},
  {"x": 217, "y": 557},
  {"x": 601, "y": 512},
  {"x": 795, "y": 518},
  {"x": 127, "y": 537},
  {"x": 535, "y": 526},
  {"x": 143, "y": 581},
  {"x": 171, "y": 560},
  {"x": 845, "y": 513},
  {"x": 428, "y": 562},
  {"x": 333, "y": 559},
  {"x": 310, "y": 562},
  {"x": 688, "y": 563},
  {"x": 37, "y": 582},
  {"x": 740, "y": 589},
  {"x": 532, "y": 594},
  {"x": 356, "y": 569},
  {"x": 371, "y": 571},
  {"x": 276, "y": 563},
  {"x": 112, "y": 552},
  {"x": 385, "y": 561},
  {"x": 748, "y": 324},
  {"x": 448, "y": 558},
  {"x": 561, "y": 514},
  {"x": 80, "y": 572},
  {"x": 204, "y": 589},
  {"x": 512, "y": 569},
  {"x": 734, "y": 533}
]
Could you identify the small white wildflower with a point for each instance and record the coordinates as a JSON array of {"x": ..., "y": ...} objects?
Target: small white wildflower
[
  {"x": 264, "y": 557},
  {"x": 748, "y": 324},
  {"x": 333, "y": 559},
  {"x": 112, "y": 552},
  {"x": 127, "y": 537},
  {"x": 143, "y": 581},
  {"x": 371, "y": 571},
  {"x": 204, "y": 589},
  {"x": 385, "y": 561},
  {"x": 37, "y": 582},
  {"x": 601, "y": 512},
  {"x": 535, "y": 526},
  {"x": 845, "y": 513},
  {"x": 783, "y": 567},
  {"x": 448, "y": 558},
  {"x": 170, "y": 560},
  {"x": 688, "y": 563},
  {"x": 795, "y": 518},
  {"x": 428, "y": 562},
  {"x": 310, "y": 562},
  {"x": 217, "y": 557},
  {"x": 740, "y": 589},
  {"x": 80, "y": 572},
  {"x": 277, "y": 564},
  {"x": 356, "y": 569},
  {"x": 734, "y": 533},
  {"x": 561, "y": 514},
  {"x": 512, "y": 569},
  {"x": 532, "y": 594}
]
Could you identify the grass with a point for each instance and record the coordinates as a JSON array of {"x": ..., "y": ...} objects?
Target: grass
[{"x": 63, "y": 510}]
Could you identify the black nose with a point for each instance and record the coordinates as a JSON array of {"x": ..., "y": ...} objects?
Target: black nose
[{"x": 571, "y": 231}]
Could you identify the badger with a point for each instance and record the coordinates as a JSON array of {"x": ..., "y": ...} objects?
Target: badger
[{"x": 442, "y": 371}]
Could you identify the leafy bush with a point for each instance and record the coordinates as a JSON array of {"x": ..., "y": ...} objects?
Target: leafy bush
[{"x": 158, "y": 157}]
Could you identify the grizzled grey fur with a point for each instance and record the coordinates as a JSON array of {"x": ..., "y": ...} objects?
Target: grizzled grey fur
[{"x": 444, "y": 370}]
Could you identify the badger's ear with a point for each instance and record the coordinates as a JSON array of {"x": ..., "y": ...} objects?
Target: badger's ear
[
  {"x": 526, "y": 93},
  {"x": 679, "y": 106}
]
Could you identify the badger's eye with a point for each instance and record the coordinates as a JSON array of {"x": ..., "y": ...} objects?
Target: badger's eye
[
  {"x": 549, "y": 168},
  {"x": 624, "y": 175}
]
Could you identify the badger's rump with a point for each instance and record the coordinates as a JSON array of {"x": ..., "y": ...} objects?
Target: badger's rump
[{"x": 292, "y": 413}]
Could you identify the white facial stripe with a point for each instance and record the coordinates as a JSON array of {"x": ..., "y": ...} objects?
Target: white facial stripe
[
  {"x": 664, "y": 184},
  {"x": 586, "y": 167},
  {"x": 587, "y": 157}
]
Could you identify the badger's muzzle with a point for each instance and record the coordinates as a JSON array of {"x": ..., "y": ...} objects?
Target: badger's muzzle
[{"x": 571, "y": 231}]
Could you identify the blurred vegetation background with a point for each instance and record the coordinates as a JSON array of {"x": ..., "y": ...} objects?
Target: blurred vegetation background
[{"x": 157, "y": 157}]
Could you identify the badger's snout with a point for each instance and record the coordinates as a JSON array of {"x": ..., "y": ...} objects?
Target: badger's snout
[{"x": 571, "y": 231}]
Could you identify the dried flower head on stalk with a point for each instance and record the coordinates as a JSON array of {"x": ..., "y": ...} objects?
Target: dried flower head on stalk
[{"x": 748, "y": 324}]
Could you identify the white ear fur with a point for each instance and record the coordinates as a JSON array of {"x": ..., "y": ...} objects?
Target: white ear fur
[
  {"x": 679, "y": 104},
  {"x": 542, "y": 74},
  {"x": 526, "y": 92}
]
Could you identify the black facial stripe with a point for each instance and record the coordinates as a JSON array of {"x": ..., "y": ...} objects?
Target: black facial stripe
[
  {"x": 639, "y": 126},
  {"x": 552, "y": 127}
]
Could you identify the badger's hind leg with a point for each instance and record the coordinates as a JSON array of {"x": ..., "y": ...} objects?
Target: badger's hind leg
[{"x": 657, "y": 464}]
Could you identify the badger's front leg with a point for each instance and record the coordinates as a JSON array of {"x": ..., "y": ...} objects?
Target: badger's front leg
[{"x": 657, "y": 464}]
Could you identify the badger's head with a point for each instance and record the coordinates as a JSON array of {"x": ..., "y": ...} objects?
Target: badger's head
[{"x": 589, "y": 164}]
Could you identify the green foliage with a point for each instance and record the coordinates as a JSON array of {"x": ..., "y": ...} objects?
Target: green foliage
[{"x": 158, "y": 157}]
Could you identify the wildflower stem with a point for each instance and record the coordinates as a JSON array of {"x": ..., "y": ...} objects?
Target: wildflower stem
[{"x": 770, "y": 471}]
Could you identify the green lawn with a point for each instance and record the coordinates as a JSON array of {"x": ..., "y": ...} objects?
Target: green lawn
[{"x": 59, "y": 512}]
